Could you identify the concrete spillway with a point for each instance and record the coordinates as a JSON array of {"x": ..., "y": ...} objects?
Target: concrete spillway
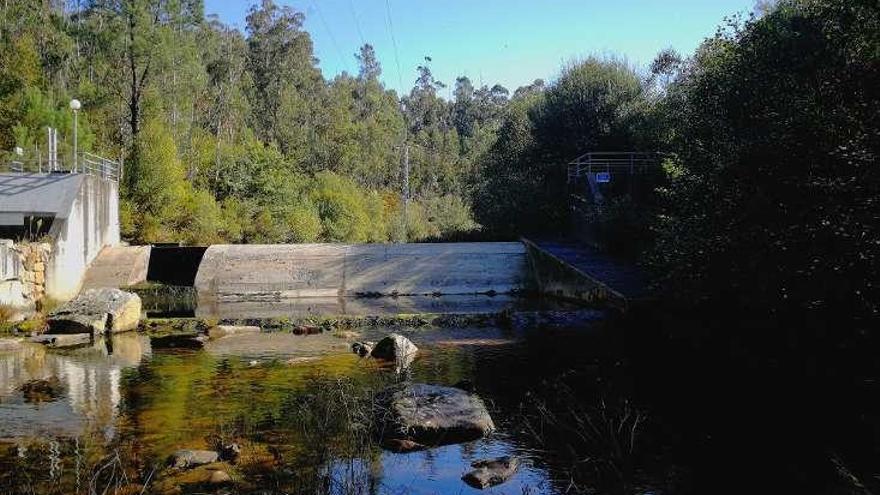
[
  {"x": 333, "y": 270},
  {"x": 280, "y": 280}
]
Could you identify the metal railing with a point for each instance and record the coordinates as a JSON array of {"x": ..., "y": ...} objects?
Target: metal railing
[
  {"x": 86, "y": 163},
  {"x": 632, "y": 162}
]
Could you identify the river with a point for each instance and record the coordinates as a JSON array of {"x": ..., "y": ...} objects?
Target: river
[{"x": 585, "y": 409}]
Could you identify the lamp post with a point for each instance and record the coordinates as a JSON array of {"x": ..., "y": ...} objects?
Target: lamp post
[{"x": 75, "y": 105}]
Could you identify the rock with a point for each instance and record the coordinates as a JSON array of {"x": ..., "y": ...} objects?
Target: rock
[
  {"x": 219, "y": 478},
  {"x": 186, "y": 459},
  {"x": 178, "y": 341},
  {"x": 433, "y": 415},
  {"x": 230, "y": 452},
  {"x": 306, "y": 330},
  {"x": 97, "y": 311},
  {"x": 491, "y": 472},
  {"x": 402, "y": 446},
  {"x": 221, "y": 331},
  {"x": 63, "y": 340},
  {"x": 397, "y": 348},
  {"x": 362, "y": 349},
  {"x": 36, "y": 391}
]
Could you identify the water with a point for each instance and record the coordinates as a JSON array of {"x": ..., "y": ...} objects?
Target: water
[
  {"x": 121, "y": 397},
  {"x": 609, "y": 407}
]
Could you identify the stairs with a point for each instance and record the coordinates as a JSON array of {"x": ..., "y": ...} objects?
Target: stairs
[{"x": 118, "y": 266}]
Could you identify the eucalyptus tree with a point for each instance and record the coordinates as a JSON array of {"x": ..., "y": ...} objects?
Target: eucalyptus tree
[{"x": 286, "y": 81}]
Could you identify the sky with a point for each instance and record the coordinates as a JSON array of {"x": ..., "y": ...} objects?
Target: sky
[{"x": 510, "y": 42}]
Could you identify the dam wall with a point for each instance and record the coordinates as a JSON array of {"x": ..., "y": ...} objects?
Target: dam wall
[{"x": 343, "y": 270}]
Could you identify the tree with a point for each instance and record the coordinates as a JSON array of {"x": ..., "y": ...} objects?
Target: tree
[
  {"x": 596, "y": 105},
  {"x": 285, "y": 80},
  {"x": 368, "y": 63},
  {"x": 776, "y": 135}
]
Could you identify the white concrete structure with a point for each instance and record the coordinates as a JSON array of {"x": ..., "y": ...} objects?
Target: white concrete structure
[
  {"x": 82, "y": 211},
  {"x": 91, "y": 224}
]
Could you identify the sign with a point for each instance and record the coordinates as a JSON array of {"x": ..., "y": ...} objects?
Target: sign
[{"x": 603, "y": 177}]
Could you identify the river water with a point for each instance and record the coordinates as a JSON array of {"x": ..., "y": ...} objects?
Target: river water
[{"x": 583, "y": 411}]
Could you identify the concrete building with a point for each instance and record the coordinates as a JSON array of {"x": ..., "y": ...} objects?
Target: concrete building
[{"x": 55, "y": 225}]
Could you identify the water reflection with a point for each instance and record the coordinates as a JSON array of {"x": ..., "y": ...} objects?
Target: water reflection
[
  {"x": 303, "y": 425},
  {"x": 88, "y": 382}
]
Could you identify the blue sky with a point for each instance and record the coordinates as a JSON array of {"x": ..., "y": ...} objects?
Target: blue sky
[{"x": 510, "y": 42}]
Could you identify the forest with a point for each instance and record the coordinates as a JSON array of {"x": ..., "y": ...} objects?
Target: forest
[{"x": 769, "y": 135}]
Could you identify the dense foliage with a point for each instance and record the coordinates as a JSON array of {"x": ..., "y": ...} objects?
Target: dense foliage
[
  {"x": 776, "y": 195},
  {"x": 232, "y": 136}
]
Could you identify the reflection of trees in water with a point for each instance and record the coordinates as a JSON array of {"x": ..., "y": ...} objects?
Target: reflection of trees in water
[{"x": 565, "y": 396}]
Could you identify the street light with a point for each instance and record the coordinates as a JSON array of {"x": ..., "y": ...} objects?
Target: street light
[{"x": 75, "y": 105}]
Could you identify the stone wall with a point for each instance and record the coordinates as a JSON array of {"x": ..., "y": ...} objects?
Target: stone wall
[
  {"x": 34, "y": 257},
  {"x": 23, "y": 281}
]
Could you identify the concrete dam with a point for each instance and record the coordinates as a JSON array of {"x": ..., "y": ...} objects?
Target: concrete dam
[{"x": 352, "y": 278}]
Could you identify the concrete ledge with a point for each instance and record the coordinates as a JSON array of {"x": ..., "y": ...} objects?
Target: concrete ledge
[{"x": 555, "y": 277}]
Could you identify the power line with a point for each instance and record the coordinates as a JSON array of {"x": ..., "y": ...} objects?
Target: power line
[
  {"x": 357, "y": 23},
  {"x": 394, "y": 42},
  {"x": 329, "y": 32}
]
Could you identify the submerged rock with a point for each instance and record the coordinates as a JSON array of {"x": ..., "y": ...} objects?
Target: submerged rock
[
  {"x": 433, "y": 415},
  {"x": 401, "y": 446},
  {"x": 185, "y": 459},
  {"x": 230, "y": 452},
  {"x": 306, "y": 330},
  {"x": 397, "y": 348},
  {"x": 491, "y": 472},
  {"x": 178, "y": 341},
  {"x": 96, "y": 311},
  {"x": 36, "y": 391},
  {"x": 221, "y": 331},
  {"x": 63, "y": 340},
  {"x": 219, "y": 478},
  {"x": 362, "y": 349}
]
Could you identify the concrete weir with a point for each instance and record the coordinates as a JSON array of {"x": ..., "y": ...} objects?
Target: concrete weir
[{"x": 340, "y": 270}]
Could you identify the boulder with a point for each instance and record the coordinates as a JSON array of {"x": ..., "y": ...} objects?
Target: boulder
[
  {"x": 96, "y": 311},
  {"x": 396, "y": 348},
  {"x": 490, "y": 472},
  {"x": 186, "y": 459},
  {"x": 432, "y": 415}
]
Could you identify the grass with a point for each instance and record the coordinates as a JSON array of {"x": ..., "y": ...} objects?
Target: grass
[{"x": 596, "y": 444}]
